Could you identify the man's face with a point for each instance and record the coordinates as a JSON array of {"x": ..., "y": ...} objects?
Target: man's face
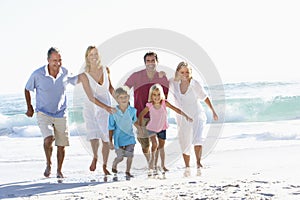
[
  {"x": 151, "y": 63},
  {"x": 55, "y": 61}
]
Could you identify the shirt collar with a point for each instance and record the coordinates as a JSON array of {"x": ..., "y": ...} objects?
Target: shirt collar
[
  {"x": 47, "y": 72},
  {"x": 119, "y": 110}
]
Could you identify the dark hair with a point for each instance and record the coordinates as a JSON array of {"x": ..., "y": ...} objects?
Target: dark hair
[
  {"x": 150, "y": 53},
  {"x": 52, "y": 50}
]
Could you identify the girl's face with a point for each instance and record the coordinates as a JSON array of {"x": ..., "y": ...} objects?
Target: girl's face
[
  {"x": 184, "y": 74},
  {"x": 156, "y": 98},
  {"x": 93, "y": 56}
]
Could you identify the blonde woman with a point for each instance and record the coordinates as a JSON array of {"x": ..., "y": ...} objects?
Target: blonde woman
[
  {"x": 97, "y": 86},
  {"x": 187, "y": 94}
]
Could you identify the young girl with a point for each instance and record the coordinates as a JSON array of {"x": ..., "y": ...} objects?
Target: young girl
[{"x": 158, "y": 124}]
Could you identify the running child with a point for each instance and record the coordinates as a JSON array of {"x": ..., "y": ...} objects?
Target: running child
[{"x": 158, "y": 124}]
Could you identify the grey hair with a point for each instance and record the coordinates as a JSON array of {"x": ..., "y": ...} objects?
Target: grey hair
[{"x": 51, "y": 51}]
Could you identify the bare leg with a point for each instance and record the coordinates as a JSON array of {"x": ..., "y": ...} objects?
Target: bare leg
[
  {"x": 146, "y": 154},
  {"x": 186, "y": 159},
  {"x": 105, "y": 154},
  {"x": 161, "y": 149},
  {"x": 95, "y": 147},
  {"x": 198, "y": 153},
  {"x": 153, "y": 151},
  {"x": 145, "y": 140},
  {"x": 60, "y": 160},
  {"x": 115, "y": 163},
  {"x": 128, "y": 166},
  {"x": 48, "y": 148},
  {"x": 156, "y": 158}
]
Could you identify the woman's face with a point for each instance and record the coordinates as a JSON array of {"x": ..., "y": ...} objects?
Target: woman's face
[
  {"x": 93, "y": 56},
  {"x": 184, "y": 74}
]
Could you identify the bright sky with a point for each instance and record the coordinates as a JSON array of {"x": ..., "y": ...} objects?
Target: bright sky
[{"x": 247, "y": 40}]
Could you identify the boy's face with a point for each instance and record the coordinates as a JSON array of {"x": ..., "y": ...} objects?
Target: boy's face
[{"x": 123, "y": 99}]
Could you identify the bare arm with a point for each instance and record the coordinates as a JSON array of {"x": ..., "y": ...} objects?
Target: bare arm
[
  {"x": 209, "y": 104},
  {"x": 87, "y": 88},
  {"x": 138, "y": 127},
  {"x": 111, "y": 145},
  {"x": 111, "y": 88},
  {"x": 141, "y": 115},
  {"x": 177, "y": 110},
  {"x": 30, "y": 110}
]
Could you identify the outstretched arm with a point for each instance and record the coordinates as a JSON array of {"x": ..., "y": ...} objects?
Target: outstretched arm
[
  {"x": 177, "y": 110},
  {"x": 87, "y": 88},
  {"x": 30, "y": 110},
  {"x": 209, "y": 104}
]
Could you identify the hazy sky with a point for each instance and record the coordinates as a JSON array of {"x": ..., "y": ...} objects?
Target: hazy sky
[{"x": 247, "y": 40}]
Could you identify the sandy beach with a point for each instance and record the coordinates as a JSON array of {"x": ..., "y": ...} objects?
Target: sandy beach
[{"x": 269, "y": 172}]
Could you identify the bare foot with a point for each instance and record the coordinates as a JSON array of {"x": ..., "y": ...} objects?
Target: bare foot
[
  {"x": 165, "y": 169},
  {"x": 47, "y": 171},
  {"x": 129, "y": 175},
  {"x": 187, "y": 172},
  {"x": 93, "y": 165},
  {"x": 59, "y": 175},
  {"x": 106, "y": 172},
  {"x": 114, "y": 170},
  {"x": 199, "y": 165},
  {"x": 198, "y": 171}
]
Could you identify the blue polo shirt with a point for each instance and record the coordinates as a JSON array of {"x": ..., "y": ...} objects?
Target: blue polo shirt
[
  {"x": 50, "y": 92},
  {"x": 122, "y": 125}
]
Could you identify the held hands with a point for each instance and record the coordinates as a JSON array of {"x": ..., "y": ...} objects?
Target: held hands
[
  {"x": 111, "y": 146},
  {"x": 139, "y": 130},
  {"x": 110, "y": 110}
]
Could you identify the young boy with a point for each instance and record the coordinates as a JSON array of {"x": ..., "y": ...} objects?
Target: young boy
[{"x": 121, "y": 130}]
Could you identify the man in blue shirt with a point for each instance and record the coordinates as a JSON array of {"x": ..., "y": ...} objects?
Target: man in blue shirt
[{"x": 49, "y": 83}]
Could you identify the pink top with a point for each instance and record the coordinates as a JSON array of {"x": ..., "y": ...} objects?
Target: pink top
[
  {"x": 141, "y": 85},
  {"x": 158, "y": 117}
]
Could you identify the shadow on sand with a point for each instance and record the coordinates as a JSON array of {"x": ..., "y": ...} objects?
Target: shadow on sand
[{"x": 29, "y": 189}]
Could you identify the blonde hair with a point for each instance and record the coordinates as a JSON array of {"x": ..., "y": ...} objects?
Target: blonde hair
[
  {"x": 87, "y": 62},
  {"x": 156, "y": 87},
  {"x": 179, "y": 67},
  {"x": 122, "y": 90}
]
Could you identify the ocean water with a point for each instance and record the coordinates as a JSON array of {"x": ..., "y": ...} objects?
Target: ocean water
[{"x": 256, "y": 112}]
